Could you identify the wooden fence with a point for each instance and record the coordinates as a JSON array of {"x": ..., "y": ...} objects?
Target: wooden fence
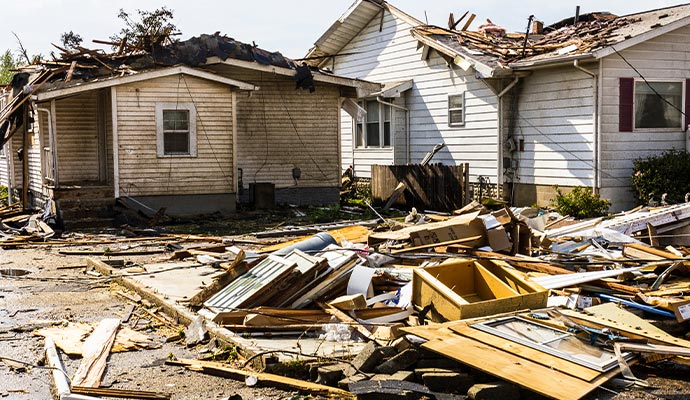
[{"x": 431, "y": 187}]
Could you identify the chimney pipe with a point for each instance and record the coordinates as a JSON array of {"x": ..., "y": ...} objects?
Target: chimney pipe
[
  {"x": 538, "y": 27},
  {"x": 577, "y": 15}
]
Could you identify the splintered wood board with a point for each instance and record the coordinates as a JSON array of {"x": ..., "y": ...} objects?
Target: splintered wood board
[
  {"x": 611, "y": 316},
  {"x": 521, "y": 371},
  {"x": 547, "y": 360}
]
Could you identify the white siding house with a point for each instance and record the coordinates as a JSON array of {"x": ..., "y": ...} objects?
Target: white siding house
[
  {"x": 374, "y": 42},
  {"x": 566, "y": 112}
]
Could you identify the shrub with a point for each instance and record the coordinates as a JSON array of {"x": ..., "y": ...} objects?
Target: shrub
[
  {"x": 668, "y": 173},
  {"x": 581, "y": 202}
]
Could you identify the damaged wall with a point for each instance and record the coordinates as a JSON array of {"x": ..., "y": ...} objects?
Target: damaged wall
[
  {"x": 141, "y": 171},
  {"x": 280, "y": 128}
]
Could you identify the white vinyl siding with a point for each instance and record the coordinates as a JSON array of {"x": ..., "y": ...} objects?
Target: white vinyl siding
[
  {"x": 280, "y": 128},
  {"x": 555, "y": 123},
  {"x": 141, "y": 171},
  {"x": 392, "y": 55},
  {"x": 665, "y": 58}
]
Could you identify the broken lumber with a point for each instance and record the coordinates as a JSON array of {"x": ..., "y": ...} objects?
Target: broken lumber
[
  {"x": 119, "y": 393},
  {"x": 96, "y": 350},
  {"x": 263, "y": 379}
]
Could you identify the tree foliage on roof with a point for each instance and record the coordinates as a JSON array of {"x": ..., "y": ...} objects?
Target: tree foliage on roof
[
  {"x": 147, "y": 30},
  {"x": 71, "y": 40}
]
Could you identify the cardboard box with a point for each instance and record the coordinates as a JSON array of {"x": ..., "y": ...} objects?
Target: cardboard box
[{"x": 461, "y": 289}]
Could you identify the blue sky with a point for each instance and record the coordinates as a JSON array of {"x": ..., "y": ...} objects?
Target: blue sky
[{"x": 276, "y": 25}]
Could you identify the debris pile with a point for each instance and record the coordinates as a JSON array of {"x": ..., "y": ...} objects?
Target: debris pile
[{"x": 561, "y": 306}]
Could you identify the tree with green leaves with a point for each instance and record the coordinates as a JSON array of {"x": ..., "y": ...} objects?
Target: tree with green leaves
[
  {"x": 151, "y": 28},
  {"x": 8, "y": 63}
]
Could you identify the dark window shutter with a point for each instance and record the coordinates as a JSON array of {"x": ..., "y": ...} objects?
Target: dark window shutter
[
  {"x": 687, "y": 104},
  {"x": 625, "y": 106}
]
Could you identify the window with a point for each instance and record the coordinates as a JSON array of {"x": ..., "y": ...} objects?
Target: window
[
  {"x": 549, "y": 340},
  {"x": 376, "y": 130},
  {"x": 658, "y": 104},
  {"x": 456, "y": 109},
  {"x": 176, "y": 129}
]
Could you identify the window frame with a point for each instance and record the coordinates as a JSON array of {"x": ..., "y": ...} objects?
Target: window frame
[
  {"x": 360, "y": 130},
  {"x": 461, "y": 109},
  {"x": 160, "y": 131},
  {"x": 681, "y": 117}
]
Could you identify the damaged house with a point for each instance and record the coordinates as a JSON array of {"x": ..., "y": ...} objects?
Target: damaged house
[
  {"x": 191, "y": 127},
  {"x": 571, "y": 104}
]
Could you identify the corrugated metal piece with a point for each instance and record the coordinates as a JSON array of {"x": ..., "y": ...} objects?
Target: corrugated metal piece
[{"x": 241, "y": 291}]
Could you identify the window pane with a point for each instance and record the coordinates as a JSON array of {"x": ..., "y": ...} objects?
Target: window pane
[
  {"x": 658, "y": 111},
  {"x": 176, "y": 143},
  {"x": 455, "y": 117},
  {"x": 373, "y": 139},
  {"x": 455, "y": 101},
  {"x": 175, "y": 120},
  {"x": 386, "y": 113},
  {"x": 372, "y": 111},
  {"x": 387, "y": 134}
]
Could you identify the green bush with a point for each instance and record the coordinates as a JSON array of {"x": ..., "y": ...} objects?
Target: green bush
[
  {"x": 668, "y": 173},
  {"x": 581, "y": 202}
]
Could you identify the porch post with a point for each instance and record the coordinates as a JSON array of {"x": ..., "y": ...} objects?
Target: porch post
[
  {"x": 25, "y": 160},
  {"x": 116, "y": 150}
]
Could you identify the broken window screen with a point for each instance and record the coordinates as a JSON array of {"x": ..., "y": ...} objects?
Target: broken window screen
[
  {"x": 456, "y": 110},
  {"x": 176, "y": 132},
  {"x": 658, "y": 104},
  {"x": 552, "y": 341}
]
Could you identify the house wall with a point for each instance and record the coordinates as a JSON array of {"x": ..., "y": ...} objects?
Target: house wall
[
  {"x": 142, "y": 172},
  {"x": 555, "y": 121},
  {"x": 6, "y": 153},
  {"x": 664, "y": 57},
  {"x": 280, "y": 128},
  {"x": 76, "y": 127},
  {"x": 392, "y": 55}
]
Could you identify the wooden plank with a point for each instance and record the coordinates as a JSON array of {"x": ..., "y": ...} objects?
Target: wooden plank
[
  {"x": 119, "y": 393},
  {"x": 565, "y": 366},
  {"x": 521, "y": 371},
  {"x": 263, "y": 379},
  {"x": 96, "y": 350},
  {"x": 611, "y": 316}
]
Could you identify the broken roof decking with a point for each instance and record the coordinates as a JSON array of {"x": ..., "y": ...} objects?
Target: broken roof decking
[
  {"x": 92, "y": 69},
  {"x": 62, "y": 90},
  {"x": 593, "y": 39}
]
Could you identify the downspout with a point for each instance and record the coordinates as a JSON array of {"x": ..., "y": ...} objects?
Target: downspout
[
  {"x": 595, "y": 125},
  {"x": 407, "y": 122},
  {"x": 499, "y": 169},
  {"x": 52, "y": 144}
]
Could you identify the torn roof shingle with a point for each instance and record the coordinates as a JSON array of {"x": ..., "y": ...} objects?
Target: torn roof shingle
[{"x": 562, "y": 41}]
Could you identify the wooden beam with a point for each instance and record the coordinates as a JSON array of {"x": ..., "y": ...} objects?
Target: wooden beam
[
  {"x": 96, "y": 350},
  {"x": 263, "y": 379},
  {"x": 469, "y": 22}
]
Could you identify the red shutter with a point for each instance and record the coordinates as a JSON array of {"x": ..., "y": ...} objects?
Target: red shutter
[
  {"x": 625, "y": 104},
  {"x": 687, "y": 104}
]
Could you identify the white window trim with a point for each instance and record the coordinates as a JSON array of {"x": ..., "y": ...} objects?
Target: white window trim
[
  {"x": 160, "y": 148},
  {"x": 682, "y": 106},
  {"x": 464, "y": 107},
  {"x": 382, "y": 114}
]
